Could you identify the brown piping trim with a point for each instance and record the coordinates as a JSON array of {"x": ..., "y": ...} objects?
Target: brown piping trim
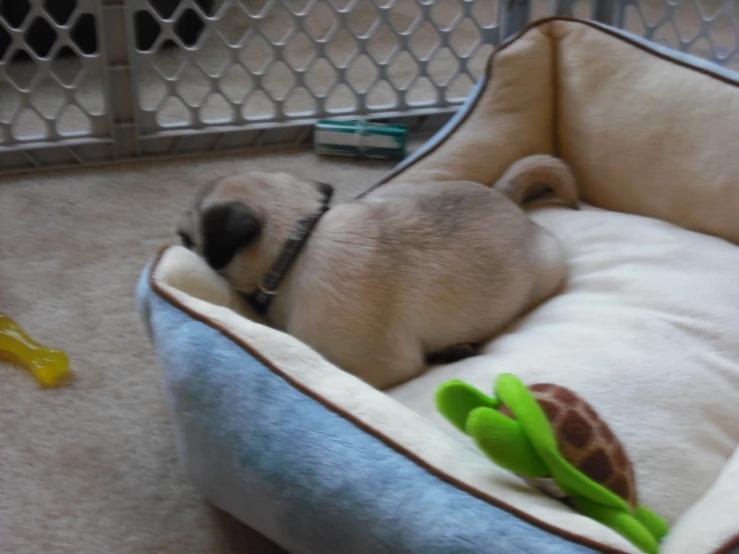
[
  {"x": 489, "y": 74},
  {"x": 729, "y": 545},
  {"x": 368, "y": 429}
]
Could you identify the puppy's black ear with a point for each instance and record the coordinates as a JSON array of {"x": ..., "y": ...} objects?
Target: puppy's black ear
[
  {"x": 226, "y": 228},
  {"x": 326, "y": 189}
]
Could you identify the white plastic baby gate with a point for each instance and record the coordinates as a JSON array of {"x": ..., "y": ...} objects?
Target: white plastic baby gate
[{"x": 98, "y": 81}]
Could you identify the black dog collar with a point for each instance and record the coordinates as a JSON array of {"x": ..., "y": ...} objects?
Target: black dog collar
[{"x": 261, "y": 298}]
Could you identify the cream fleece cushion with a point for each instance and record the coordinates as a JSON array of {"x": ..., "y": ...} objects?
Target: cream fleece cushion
[
  {"x": 645, "y": 331},
  {"x": 645, "y": 134}
]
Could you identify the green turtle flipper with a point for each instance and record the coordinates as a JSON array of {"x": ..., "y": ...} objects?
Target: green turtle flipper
[
  {"x": 623, "y": 522},
  {"x": 656, "y": 525},
  {"x": 516, "y": 396},
  {"x": 538, "y": 431},
  {"x": 502, "y": 440},
  {"x": 456, "y": 399}
]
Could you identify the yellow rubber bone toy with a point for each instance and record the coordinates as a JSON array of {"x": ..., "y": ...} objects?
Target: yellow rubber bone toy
[{"x": 49, "y": 367}]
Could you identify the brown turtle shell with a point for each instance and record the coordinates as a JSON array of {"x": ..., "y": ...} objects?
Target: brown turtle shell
[{"x": 585, "y": 440}]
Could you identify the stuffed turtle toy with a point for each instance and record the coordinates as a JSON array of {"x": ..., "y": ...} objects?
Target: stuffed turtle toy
[{"x": 557, "y": 443}]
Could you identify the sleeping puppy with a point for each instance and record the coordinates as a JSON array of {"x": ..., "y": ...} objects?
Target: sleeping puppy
[{"x": 383, "y": 285}]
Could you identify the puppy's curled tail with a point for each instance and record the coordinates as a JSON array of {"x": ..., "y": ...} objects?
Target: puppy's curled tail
[{"x": 532, "y": 175}]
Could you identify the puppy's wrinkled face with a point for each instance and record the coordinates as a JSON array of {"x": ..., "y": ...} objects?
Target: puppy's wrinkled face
[{"x": 238, "y": 224}]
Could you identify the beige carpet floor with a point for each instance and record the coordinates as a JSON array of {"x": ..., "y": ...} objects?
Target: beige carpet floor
[{"x": 91, "y": 468}]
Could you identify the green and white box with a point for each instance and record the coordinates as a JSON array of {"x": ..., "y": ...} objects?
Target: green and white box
[{"x": 360, "y": 139}]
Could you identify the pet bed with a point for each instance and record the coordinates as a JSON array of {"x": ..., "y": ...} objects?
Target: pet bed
[{"x": 645, "y": 329}]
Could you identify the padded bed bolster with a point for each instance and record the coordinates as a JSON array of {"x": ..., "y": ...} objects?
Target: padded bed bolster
[
  {"x": 522, "y": 106},
  {"x": 710, "y": 525},
  {"x": 648, "y": 131}
]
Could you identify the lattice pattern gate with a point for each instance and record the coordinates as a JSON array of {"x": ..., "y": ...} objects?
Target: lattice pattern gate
[{"x": 96, "y": 81}]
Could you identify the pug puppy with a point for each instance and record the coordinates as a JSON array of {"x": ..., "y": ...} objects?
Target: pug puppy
[{"x": 404, "y": 276}]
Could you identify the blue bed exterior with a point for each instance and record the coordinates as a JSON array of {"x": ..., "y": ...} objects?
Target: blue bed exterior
[{"x": 303, "y": 475}]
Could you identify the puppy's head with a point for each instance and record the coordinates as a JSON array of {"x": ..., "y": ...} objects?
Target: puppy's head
[{"x": 240, "y": 223}]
